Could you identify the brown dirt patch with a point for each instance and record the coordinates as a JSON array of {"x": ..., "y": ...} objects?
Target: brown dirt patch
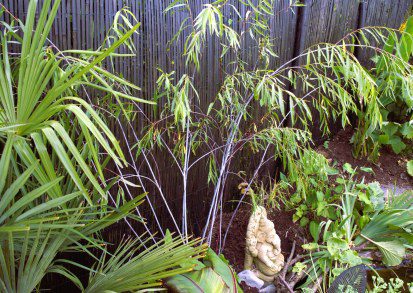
[
  {"x": 389, "y": 170},
  {"x": 234, "y": 249}
]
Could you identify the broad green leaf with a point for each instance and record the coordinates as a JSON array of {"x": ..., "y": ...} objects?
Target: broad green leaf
[
  {"x": 393, "y": 252},
  {"x": 336, "y": 246},
  {"x": 407, "y": 130},
  {"x": 367, "y": 169},
  {"x": 410, "y": 167},
  {"x": 205, "y": 280},
  {"x": 214, "y": 276},
  {"x": 347, "y": 167},
  {"x": 397, "y": 144},
  {"x": 314, "y": 230},
  {"x": 184, "y": 283},
  {"x": 350, "y": 257},
  {"x": 223, "y": 269},
  {"x": 310, "y": 246},
  {"x": 406, "y": 41}
]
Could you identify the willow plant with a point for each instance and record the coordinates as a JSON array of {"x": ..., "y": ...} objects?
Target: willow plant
[
  {"x": 54, "y": 197},
  {"x": 325, "y": 81}
]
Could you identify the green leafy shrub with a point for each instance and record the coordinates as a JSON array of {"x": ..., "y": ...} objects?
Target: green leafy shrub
[
  {"x": 349, "y": 240},
  {"x": 395, "y": 285},
  {"x": 212, "y": 275},
  {"x": 393, "y": 75},
  {"x": 317, "y": 186}
]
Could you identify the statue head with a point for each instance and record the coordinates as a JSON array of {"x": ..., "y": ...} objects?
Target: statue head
[
  {"x": 266, "y": 225},
  {"x": 261, "y": 237}
]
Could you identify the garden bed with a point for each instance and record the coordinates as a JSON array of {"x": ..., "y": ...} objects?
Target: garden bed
[
  {"x": 389, "y": 170},
  {"x": 234, "y": 249}
]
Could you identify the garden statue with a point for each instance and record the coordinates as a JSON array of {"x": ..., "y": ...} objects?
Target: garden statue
[{"x": 263, "y": 246}]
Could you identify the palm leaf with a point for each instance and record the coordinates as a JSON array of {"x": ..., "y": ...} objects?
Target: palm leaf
[
  {"x": 43, "y": 101},
  {"x": 128, "y": 270},
  {"x": 354, "y": 277}
]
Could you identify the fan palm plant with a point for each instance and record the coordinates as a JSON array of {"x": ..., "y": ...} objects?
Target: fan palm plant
[
  {"x": 37, "y": 90},
  {"x": 55, "y": 146},
  {"x": 33, "y": 236},
  {"x": 129, "y": 271}
]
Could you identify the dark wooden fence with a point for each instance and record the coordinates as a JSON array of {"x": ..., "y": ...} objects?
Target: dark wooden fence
[{"x": 83, "y": 24}]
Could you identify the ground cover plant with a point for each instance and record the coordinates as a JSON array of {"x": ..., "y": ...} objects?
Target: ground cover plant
[
  {"x": 365, "y": 222},
  {"x": 357, "y": 224}
]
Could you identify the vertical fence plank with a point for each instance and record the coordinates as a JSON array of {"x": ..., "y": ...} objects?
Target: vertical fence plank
[{"x": 382, "y": 13}]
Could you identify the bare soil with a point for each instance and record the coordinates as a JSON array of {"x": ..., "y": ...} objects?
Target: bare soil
[
  {"x": 234, "y": 249},
  {"x": 389, "y": 170}
]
